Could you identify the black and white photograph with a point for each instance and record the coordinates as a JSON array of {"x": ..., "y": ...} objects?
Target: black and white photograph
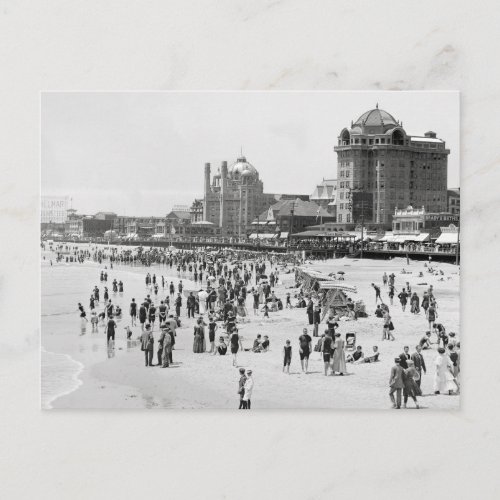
[{"x": 250, "y": 250}]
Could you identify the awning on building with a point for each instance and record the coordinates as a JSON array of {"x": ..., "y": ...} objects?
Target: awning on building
[
  {"x": 263, "y": 222},
  {"x": 417, "y": 237},
  {"x": 447, "y": 239},
  {"x": 402, "y": 238},
  {"x": 262, "y": 236},
  {"x": 393, "y": 238}
]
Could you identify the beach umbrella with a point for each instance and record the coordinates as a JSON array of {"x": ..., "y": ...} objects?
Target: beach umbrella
[{"x": 341, "y": 272}]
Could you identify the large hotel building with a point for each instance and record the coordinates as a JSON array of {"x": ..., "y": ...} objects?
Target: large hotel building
[{"x": 387, "y": 169}]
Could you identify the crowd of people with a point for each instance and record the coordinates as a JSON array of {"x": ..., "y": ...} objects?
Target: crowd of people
[
  {"x": 406, "y": 374},
  {"x": 224, "y": 283}
]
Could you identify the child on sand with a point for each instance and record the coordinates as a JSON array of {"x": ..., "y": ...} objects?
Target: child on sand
[
  {"x": 94, "y": 320},
  {"x": 266, "y": 310}
]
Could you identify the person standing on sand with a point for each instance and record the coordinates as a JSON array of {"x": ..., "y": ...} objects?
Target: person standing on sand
[
  {"x": 147, "y": 345},
  {"x": 212, "y": 328},
  {"x": 133, "y": 312},
  {"x": 338, "y": 363},
  {"x": 287, "y": 356},
  {"x": 241, "y": 389},
  {"x": 396, "y": 383},
  {"x": 388, "y": 327},
  {"x": 143, "y": 313},
  {"x": 110, "y": 330},
  {"x": 159, "y": 349},
  {"x": 167, "y": 349},
  {"x": 384, "y": 279},
  {"x": 377, "y": 293},
  {"x": 391, "y": 294},
  {"x": 248, "y": 387},
  {"x": 419, "y": 363},
  {"x": 178, "y": 304},
  {"x": 403, "y": 299},
  {"x": 326, "y": 349},
  {"x": 305, "y": 342},
  {"x": 444, "y": 380},
  {"x": 316, "y": 320},
  {"x": 411, "y": 387},
  {"x": 235, "y": 341},
  {"x": 431, "y": 314},
  {"x": 310, "y": 311},
  {"x": 256, "y": 299}
]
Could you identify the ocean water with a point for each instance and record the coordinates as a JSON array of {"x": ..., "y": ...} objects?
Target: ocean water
[{"x": 59, "y": 376}]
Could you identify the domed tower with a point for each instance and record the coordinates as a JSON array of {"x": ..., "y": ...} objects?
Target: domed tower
[
  {"x": 241, "y": 168},
  {"x": 386, "y": 167}
]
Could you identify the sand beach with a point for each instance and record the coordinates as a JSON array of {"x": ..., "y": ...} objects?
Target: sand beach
[{"x": 98, "y": 378}]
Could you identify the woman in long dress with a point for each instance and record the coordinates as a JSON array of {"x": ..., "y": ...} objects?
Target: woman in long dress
[
  {"x": 339, "y": 364},
  {"x": 202, "y": 295},
  {"x": 444, "y": 381},
  {"x": 241, "y": 309},
  {"x": 198, "y": 342}
]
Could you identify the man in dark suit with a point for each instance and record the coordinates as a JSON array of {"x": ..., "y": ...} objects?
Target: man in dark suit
[
  {"x": 396, "y": 383},
  {"x": 147, "y": 345},
  {"x": 419, "y": 362},
  {"x": 404, "y": 357}
]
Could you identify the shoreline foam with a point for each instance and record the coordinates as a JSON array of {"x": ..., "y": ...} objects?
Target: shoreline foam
[{"x": 60, "y": 376}]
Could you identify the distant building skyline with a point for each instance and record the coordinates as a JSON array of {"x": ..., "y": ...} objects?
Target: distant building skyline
[{"x": 144, "y": 153}]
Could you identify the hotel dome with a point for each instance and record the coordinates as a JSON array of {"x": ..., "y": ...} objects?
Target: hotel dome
[
  {"x": 374, "y": 121},
  {"x": 243, "y": 168}
]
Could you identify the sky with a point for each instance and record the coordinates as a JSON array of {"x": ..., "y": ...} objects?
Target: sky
[{"x": 140, "y": 153}]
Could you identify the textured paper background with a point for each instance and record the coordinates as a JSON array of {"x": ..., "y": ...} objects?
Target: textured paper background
[{"x": 117, "y": 45}]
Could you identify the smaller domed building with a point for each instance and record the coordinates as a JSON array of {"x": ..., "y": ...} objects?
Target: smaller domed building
[{"x": 234, "y": 196}]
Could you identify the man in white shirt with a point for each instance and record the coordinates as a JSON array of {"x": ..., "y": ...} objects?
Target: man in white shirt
[{"x": 248, "y": 389}]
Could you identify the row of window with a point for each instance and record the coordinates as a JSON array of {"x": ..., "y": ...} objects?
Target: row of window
[
  {"x": 396, "y": 153},
  {"x": 347, "y": 218}
]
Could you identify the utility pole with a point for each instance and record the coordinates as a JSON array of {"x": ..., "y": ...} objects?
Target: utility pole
[
  {"x": 378, "y": 191},
  {"x": 362, "y": 224},
  {"x": 457, "y": 248},
  {"x": 351, "y": 206},
  {"x": 291, "y": 225}
]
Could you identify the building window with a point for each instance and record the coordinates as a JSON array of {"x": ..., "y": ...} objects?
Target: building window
[
  {"x": 347, "y": 173},
  {"x": 348, "y": 218},
  {"x": 340, "y": 217}
]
